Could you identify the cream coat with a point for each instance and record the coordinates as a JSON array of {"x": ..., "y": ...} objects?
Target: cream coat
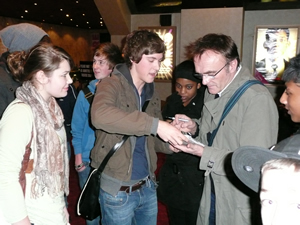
[{"x": 252, "y": 121}]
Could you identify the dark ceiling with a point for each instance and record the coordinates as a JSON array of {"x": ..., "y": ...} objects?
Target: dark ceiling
[
  {"x": 84, "y": 13},
  {"x": 76, "y": 13}
]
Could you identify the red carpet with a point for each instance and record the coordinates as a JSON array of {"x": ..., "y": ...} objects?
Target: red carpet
[{"x": 162, "y": 218}]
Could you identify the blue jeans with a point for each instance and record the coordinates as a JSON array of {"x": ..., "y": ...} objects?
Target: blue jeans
[
  {"x": 134, "y": 208},
  {"x": 83, "y": 176}
]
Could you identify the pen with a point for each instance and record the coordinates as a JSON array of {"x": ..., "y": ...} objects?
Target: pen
[{"x": 180, "y": 119}]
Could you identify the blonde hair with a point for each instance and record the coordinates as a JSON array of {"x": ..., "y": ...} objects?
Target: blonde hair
[{"x": 282, "y": 164}]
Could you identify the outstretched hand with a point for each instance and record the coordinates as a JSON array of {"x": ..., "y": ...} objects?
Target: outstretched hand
[
  {"x": 190, "y": 148},
  {"x": 170, "y": 133}
]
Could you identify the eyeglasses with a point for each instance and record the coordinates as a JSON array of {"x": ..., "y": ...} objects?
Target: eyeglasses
[{"x": 200, "y": 75}]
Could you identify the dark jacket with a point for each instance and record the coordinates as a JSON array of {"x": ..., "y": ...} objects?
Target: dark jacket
[
  {"x": 8, "y": 85},
  {"x": 67, "y": 104},
  {"x": 180, "y": 180}
]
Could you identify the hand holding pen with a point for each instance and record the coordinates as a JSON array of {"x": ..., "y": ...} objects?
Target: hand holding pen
[
  {"x": 184, "y": 123},
  {"x": 180, "y": 119}
]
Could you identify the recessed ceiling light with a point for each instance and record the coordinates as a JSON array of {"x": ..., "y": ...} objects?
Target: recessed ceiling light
[
  {"x": 22, "y": 17},
  {"x": 76, "y": 25},
  {"x": 35, "y": 3},
  {"x": 61, "y": 10},
  {"x": 26, "y": 10},
  {"x": 83, "y": 14},
  {"x": 67, "y": 15},
  {"x": 87, "y": 22},
  {"x": 71, "y": 19},
  {"x": 165, "y": 4}
]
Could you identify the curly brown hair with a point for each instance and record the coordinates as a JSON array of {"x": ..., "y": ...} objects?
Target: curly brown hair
[{"x": 142, "y": 42}]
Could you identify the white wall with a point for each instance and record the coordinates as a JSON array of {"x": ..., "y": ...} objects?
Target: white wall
[{"x": 196, "y": 23}]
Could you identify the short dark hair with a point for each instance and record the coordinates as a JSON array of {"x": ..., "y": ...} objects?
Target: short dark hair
[
  {"x": 111, "y": 52},
  {"x": 219, "y": 43},
  {"x": 142, "y": 42},
  {"x": 292, "y": 72}
]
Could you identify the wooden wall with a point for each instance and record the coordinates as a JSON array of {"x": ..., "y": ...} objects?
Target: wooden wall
[{"x": 77, "y": 42}]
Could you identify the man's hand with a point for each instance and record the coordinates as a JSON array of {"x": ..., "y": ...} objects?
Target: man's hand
[
  {"x": 190, "y": 148},
  {"x": 170, "y": 134},
  {"x": 187, "y": 126}
]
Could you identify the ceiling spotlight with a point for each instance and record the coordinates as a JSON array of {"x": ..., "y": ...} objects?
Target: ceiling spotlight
[
  {"x": 61, "y": 10},
  {"x": 167, "y": 3},
  {"x": 76, "y": 25},
  {"x": 67, "y": 15},
  {"x": 26, "y": 10},
  {"x": 71, "y": 19},
  {"x": 83, "y": 14},
  {"x": 87, "y": 22},
  {"x": 35, "y": 3},
  {"x": 22, "y": 17}
]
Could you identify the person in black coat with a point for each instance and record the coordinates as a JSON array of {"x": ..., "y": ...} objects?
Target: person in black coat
[{"x": 180, "y": 180}]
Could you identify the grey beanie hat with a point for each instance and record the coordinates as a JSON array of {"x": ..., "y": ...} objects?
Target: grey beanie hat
[{"x": 21, "y": 37}]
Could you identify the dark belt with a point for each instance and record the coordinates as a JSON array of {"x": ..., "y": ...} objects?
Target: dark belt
[{"x": 133, "y": 187}]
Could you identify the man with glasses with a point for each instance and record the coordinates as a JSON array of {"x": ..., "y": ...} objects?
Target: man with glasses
[{"x": 252, "y": 121}]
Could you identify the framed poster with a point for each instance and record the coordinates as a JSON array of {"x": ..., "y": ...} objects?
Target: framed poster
[
  {"x": 168, "y": 34},
  {"x": 274, "y": 46}
]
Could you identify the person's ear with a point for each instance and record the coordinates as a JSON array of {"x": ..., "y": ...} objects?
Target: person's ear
[
  {"x": 198, "y": 85},
  {"x": 41, "y": 77},
  {"x": 233, "y": 66}
]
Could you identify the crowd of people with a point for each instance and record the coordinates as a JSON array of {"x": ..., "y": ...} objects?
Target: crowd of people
[{"x": 218, "y": 130}]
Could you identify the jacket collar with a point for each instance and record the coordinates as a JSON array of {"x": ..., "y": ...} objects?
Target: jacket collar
[{"x": 216, "y": 106}]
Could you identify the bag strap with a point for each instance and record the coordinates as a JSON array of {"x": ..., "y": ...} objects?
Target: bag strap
[
  {"x": 88, "y": 94},
  {"x": 234, "y": 98},
  {"x": 117, "y": 146}
]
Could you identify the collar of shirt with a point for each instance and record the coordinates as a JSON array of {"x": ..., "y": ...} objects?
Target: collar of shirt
[{"x": 239, "y": 68}]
